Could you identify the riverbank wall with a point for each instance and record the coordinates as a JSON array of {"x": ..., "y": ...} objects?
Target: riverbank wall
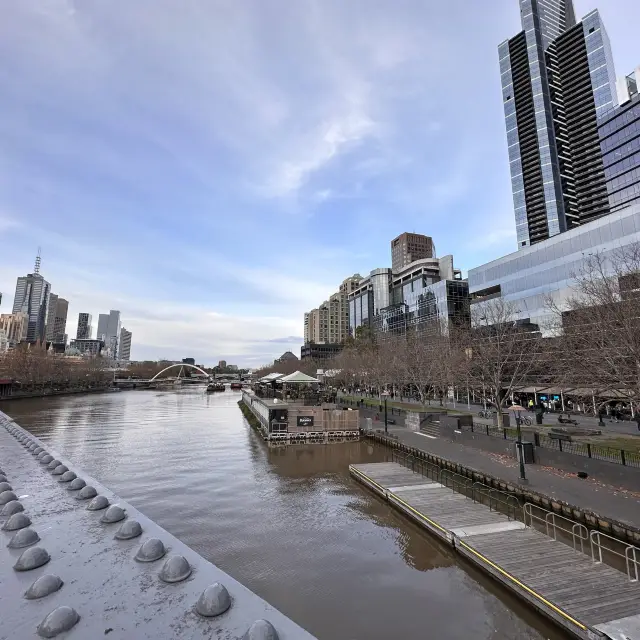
[{"x": 47, "y": 393}]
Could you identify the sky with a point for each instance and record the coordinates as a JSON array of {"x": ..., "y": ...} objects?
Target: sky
[{"x": 214, "y": 168}]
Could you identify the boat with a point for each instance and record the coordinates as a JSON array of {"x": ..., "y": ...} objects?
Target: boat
[
  {"x": 236, "y": 386},
  {"x": 215, "y": 386}
]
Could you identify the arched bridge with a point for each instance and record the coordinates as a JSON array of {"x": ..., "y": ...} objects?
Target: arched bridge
[{"x": 181, "y": 366}]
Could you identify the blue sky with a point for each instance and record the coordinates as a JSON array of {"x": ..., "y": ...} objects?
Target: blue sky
[{"x": 215, "y": 168}]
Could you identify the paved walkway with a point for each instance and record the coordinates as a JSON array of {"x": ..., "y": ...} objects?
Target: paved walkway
[
  {"x": 626, "y": 427},
  {"x": 589, "y": 494}
]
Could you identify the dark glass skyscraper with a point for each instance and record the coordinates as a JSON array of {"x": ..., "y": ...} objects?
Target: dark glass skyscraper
[
  {"x": 32, "y": 298},
  {"x": 557, "y": 79}
]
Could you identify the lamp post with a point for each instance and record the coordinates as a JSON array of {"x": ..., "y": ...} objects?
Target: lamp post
[
  {"x": 385, "y": 395},
  {"x": 517, "y": 410}
]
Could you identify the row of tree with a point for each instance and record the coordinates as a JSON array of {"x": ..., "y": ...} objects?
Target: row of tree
[
  {"x": 33, "y": 368},
  {"x": 589, "y": 344}
]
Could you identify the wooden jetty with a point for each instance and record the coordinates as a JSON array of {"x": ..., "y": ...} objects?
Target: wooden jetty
[{"x": 553, "y": 563}]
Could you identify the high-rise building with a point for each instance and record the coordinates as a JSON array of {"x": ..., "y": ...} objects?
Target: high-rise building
[
  {"x": 329, "y": 323},
  {"x": 51, "y": 316},
  {"x": 57, "y": 319},
  {"x": 222, "y": 364},
  {"x": 409, "y": 247},
  {"x": 125, "y": 345},
  {"x": 620, "y": 143},
  {"x": 109, "y": 331},
  {"x": 32, "y": 298},
  {"x": 84, "y": 326},
  {"x": 558, "y": 78},
  {"x": 4, "y": 341}
]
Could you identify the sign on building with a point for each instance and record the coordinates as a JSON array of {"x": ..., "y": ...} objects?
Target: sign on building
[{"x": 305, "y": 421}]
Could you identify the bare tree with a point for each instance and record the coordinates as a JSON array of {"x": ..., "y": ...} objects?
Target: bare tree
[
  {"x": 600, "y": 325},
  {"x": 501, "y": 353}
]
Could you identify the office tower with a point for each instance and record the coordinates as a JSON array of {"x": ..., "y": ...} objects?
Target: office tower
[
  {"x": 222, "y": 364},
  {"x": 32, "y": 298},
  {"x": 125, "y": 345},
  {"x": 57, "y": 319},
  {"x": 558, "y": 78},
  {"x": 51, "y": 316},
  {"x": 109, "y": 331},
  {"x": 84, "y": 326},
  {"x": 620, "y": 143},
  {"x": 409, "y": 247}
]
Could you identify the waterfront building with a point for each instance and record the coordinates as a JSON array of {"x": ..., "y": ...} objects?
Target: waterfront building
[
  {"x": 57, "y": 319},
  {"x": 14, "y": 326},
  {"x": 87, "y": 346},
  {"x": 109, "y": 326},
  {"x": 125, "y": 345},
  {"x": 533, "y": 276},
  {"x": 4, "y": 341},
  {"x": 190, "y": 361},
  {"x": 409, "y": 247},
  {"x": 423, "y": 292},
  {"x": 32, "y": 298},
  {"x": 84, "y": 326},
  {"x": 558, "y": 78}
]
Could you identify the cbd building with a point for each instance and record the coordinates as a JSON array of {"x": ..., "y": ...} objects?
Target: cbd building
[
  {"x": 573, "y": 132},
  {"x": 412, "y": 294},
  {"x": 558, "y": 79}
]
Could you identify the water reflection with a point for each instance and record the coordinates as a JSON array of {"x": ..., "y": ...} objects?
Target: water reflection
[{"x": 287, "y": 521}]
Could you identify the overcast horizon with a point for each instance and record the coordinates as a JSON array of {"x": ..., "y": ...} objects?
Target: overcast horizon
[{"x": 215, "y": 169}]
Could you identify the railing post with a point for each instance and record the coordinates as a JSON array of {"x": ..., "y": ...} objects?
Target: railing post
[
  {"x": 560, "y": 444},
  {"x": 487, "y": 429},
  {"x": 624, "y": 461},
  {"x": 504, "y": 432},
  {"x": 588, "y": 449}
]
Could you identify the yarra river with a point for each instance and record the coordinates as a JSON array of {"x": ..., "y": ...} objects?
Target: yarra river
[{"x": 287, "y": 522}]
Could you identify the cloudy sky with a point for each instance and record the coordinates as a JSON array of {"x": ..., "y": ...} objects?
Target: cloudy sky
[{"x": 214, "y": 168}]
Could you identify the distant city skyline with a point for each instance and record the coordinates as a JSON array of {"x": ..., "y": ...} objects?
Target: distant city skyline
[{"x": 228, "y": 208}]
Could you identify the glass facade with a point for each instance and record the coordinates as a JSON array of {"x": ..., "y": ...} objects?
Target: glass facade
[
  {"x": 557, "y": 79},
  {"x": 601, "y": 67},
  {"x": 532, "y": 275},
  {"x": 418, "y": 296},
  {"x": 620, "y": 143}
]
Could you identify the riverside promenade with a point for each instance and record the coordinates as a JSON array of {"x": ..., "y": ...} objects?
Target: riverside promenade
[
  {"x": 79, "y": 562},
  {"x": 617, "y": 509}
]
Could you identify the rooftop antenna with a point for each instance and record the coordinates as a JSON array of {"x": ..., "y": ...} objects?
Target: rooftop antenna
[{"x": 36, "y": 269}]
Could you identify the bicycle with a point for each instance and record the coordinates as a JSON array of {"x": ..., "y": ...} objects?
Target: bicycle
[{"x": 486, "y": 413}]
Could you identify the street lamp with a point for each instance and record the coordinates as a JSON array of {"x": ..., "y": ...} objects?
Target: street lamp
[
  {"x": 385, "y": 395},
  {"x": 517, "y": 410}
]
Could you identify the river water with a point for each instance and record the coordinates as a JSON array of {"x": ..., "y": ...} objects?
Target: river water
[{"x": 288, "y": 522}]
